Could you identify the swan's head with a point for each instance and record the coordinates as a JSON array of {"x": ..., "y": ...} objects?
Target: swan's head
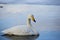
[{"x": 31, "y": 17}]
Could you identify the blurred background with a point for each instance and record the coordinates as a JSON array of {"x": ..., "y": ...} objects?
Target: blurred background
[{"x": 46, "y": 13}]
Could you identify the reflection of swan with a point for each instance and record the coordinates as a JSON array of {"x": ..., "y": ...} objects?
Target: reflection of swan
[
  {"x": 20, "y": 37},
  {"x": 22, "y": 29}
]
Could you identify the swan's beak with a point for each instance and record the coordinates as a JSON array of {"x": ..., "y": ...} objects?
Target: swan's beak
[{"x": 33, "y": 19}]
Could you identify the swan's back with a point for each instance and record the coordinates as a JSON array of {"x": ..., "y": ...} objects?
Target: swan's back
[{"x": 18, "y": 30}]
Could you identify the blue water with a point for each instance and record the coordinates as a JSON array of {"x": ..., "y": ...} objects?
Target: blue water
[
  {"x": 47, "y": 20},
  {"x": 38, "y": 2},
  {"x": 53, "y": 35}
]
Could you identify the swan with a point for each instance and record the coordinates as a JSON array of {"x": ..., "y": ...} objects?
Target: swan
[{"x": 23, "y": 29}]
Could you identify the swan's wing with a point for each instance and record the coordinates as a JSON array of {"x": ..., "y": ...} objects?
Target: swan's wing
[
  {"x": 17, "y": 30},
  {"x": 14, "y": 29}
]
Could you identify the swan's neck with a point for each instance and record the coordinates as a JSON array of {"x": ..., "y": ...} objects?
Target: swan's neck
[
  {"x": 30, "y": 26},
  {"x": 29, "y": 22}
]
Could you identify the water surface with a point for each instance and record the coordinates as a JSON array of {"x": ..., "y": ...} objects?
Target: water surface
[{"x": 47, "y": 20}]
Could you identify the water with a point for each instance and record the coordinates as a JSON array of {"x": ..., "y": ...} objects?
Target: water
[
  {"x": 47, "y": 20},
  {"x": 49, "y": 35},
  {"x": 38, "y": 2},
  {"x": 43, "y": 36},
  {"x": 8, "y": 37}
]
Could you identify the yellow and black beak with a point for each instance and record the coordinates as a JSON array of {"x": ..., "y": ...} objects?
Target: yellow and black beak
[{"x": 33, "y": 19}]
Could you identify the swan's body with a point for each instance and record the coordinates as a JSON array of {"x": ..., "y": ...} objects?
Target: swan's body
[{"x": 22, "y": 29}]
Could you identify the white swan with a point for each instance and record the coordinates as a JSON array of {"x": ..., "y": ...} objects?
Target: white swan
[{"x": 22, "y": 29}]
